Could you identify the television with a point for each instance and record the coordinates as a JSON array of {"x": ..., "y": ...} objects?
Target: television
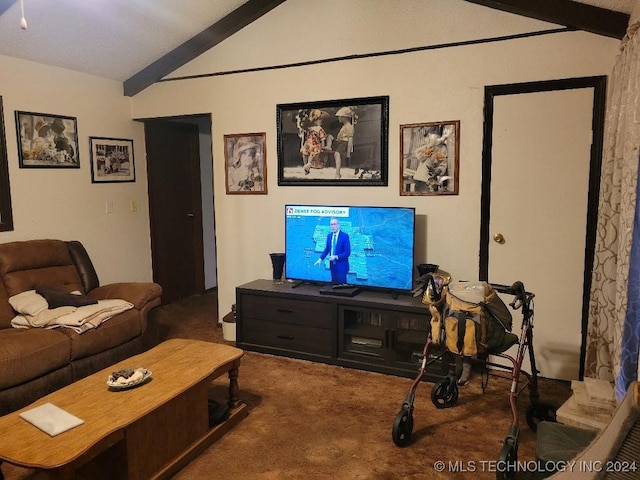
[{"x": 381, "y": 240}]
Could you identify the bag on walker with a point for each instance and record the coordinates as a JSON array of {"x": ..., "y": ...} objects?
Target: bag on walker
[
  {"x": 475, "y": 320},
  {"x": 434, "y": 297}
]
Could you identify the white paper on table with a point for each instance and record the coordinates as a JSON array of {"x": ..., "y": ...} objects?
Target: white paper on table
[{"x": 51, "y": 419}]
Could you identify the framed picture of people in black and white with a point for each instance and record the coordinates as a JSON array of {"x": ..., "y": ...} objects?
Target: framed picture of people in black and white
[
  {"x": 334, "y": 142},
  {"x": 112, "y": 160},
  {"x": 47, "y": 141}
]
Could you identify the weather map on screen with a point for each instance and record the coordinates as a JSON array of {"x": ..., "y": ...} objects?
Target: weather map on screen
[{"x": 381, "y": 240}]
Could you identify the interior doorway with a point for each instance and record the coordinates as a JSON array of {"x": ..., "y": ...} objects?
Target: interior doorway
[
  {"x": 180, "y": 183},
  {"x": 541, "y": 174}
]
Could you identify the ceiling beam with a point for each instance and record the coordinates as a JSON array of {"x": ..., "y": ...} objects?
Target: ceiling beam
[
  {"x": 572, "y": 14},
  {"x": 196, "y": 46},
  {"x": 5, "y": 5}
]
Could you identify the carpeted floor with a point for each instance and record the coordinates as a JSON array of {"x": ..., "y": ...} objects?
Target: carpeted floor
[{"x": 314, "y": 421}]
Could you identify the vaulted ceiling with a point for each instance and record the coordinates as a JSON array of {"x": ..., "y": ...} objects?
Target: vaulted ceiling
[{"x": 139, "y": 42}]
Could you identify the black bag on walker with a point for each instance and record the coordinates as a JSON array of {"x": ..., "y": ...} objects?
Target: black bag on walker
[{"x": 476, "y": 319}]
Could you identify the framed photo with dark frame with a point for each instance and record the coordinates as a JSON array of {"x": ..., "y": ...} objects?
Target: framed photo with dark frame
[
  {"x": 245, "y": 157},
  {"x": 6, "y": 212},
  {"x": 47, "y": 141},
  {"x": 112, "y": 160},
  {"x": 429, "y": 154},
  {"x": 333, "y": 142}
]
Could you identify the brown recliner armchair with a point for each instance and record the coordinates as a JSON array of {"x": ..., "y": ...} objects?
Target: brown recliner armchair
[{"x": 37, "y": 361}]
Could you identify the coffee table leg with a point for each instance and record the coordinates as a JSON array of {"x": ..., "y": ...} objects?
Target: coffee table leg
[
  {"x": 1, "y": 474},
  {"x": 234, "y": 399}
]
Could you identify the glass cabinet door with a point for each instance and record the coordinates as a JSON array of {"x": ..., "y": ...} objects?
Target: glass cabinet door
[
  {"x": 394, "y": 339},
  {"x": 363, "y": 333},
  {"x": 411, "y": 334}
]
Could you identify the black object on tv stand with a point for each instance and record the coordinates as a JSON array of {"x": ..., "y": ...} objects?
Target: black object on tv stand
[{"x": 340, "y": 290}]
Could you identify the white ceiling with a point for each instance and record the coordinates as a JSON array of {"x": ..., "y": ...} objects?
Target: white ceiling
[
  {"x": 118, "y": 38},
  {"x": 109, "y": 38}
]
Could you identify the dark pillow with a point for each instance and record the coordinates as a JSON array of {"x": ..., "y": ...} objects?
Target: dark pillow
[{"x": 59, "y": 298}]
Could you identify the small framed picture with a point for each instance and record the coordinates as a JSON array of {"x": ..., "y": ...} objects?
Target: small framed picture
[
  {"x": 246, "y": 163},
  {"x": 429, "y": 155},
  {"x": 112, "y": 160},
  {"x": 47, "y": 141},
  {"x": 334, "y": 142}
]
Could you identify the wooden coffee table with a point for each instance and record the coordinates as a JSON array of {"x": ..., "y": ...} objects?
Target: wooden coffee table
[{"x": 150, "y": 431}]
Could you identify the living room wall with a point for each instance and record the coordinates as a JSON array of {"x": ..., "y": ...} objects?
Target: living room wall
[
  {"x": 424, "y": 85},
  {"x": 433, "y": 84},
  {"x": 63, "y": 203}
]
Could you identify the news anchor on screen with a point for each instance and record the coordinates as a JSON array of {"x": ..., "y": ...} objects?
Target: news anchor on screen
[{"x": 338, "y": 248}]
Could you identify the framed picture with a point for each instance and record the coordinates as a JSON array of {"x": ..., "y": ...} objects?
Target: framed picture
[
  {"x": 429, "y": 155},
  {"x": 246, "y": 163},
  {"x": 6, "y": 212},
  {"x": 112, "y": 160},
  {"x": 47, "y": 141},
  {"x": 335, "y": 142}
]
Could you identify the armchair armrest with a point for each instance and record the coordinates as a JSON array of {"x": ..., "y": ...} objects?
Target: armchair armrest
[{"x": 137, "y": 293}]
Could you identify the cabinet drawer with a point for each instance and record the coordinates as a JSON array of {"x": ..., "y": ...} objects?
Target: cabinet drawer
[
  {"x": 282, "y": 310},
  {"x": 302, "y": 338}
]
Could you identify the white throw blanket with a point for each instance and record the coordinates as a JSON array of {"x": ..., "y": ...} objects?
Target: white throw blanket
[{"x": 34, "y": 312}]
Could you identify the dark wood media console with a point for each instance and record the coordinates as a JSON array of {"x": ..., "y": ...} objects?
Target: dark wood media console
[{"x": 376, "y": 331}]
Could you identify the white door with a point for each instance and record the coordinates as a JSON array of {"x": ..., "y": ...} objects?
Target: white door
[{"x": 539, "y": 198}]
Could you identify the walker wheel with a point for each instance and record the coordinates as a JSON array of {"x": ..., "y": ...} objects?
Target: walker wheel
[
  {"x": 402, "y": 427},
  {"x": 444, "y": 394},
  {"x": 507, "y": 461},
  {"x": 540, "y": 412}
]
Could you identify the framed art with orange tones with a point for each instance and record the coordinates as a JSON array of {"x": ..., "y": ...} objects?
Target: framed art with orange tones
[{"x": 429, "y": 158}]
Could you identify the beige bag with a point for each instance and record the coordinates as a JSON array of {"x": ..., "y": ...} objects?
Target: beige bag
[{"x": 477, "y": 318}]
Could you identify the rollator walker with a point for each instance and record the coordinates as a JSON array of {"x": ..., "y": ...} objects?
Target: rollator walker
[{"x": 444, "y": 393}]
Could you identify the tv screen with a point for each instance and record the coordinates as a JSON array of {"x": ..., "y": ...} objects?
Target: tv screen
[{"x": 379, "y": 242}]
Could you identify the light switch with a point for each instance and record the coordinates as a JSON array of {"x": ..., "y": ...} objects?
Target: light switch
[
  {"x": 109, "y": 206},
  {"x": 134, "y": 206}
]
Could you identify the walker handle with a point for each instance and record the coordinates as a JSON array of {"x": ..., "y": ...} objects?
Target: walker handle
[
  {"x": 434, "y": 295},
  {"x": 521, "y": 296}
]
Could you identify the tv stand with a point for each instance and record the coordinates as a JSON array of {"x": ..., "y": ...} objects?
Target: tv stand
[{"x": 372, "y": 331}]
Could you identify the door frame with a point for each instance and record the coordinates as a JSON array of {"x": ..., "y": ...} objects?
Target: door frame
[
  {"x": 194, "y": 166},
  {"x": 599, "y": 85}
]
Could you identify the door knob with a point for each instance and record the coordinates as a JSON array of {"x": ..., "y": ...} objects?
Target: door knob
[
  {"x": 190, "y": 215},
  {"x": 498, "y": 238}
]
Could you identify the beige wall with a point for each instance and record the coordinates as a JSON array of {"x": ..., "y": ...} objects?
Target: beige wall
[
  {"x": 432, "y": 85},
  {"x": 63, "y": 203}
]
